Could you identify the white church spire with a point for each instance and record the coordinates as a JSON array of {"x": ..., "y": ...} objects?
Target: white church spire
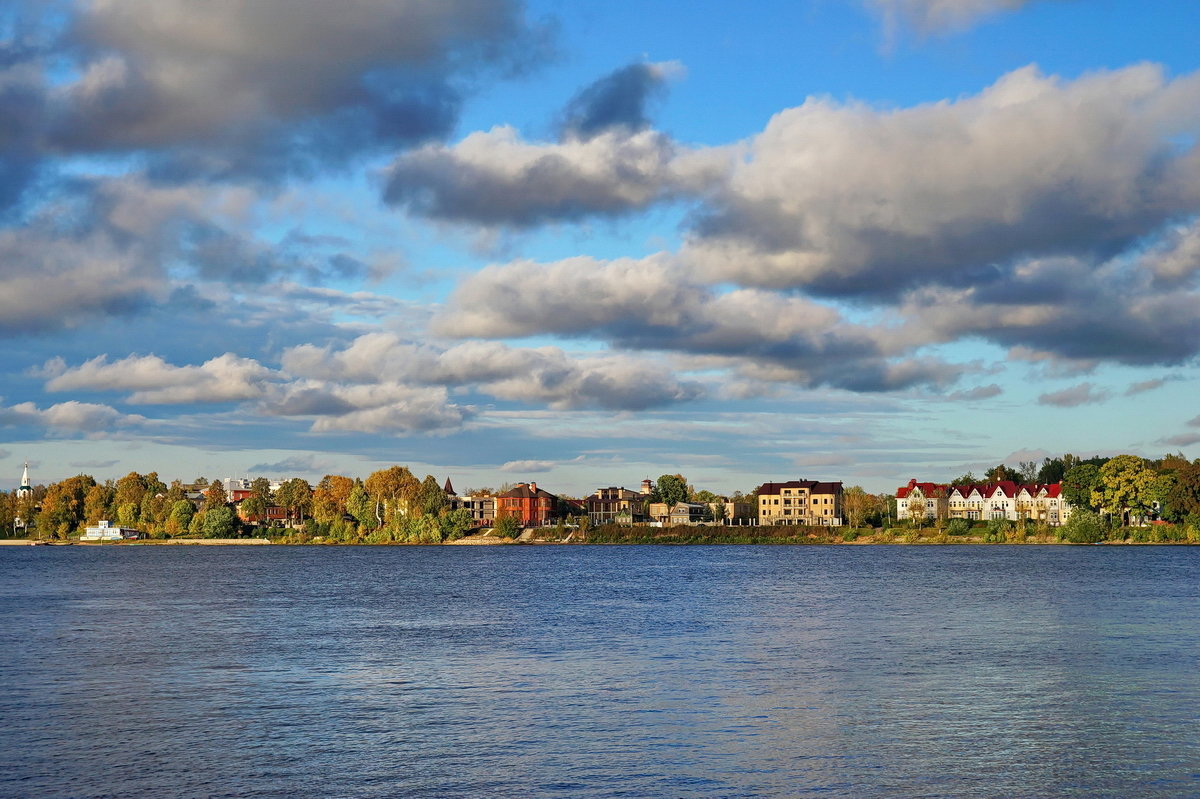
[{"x": 25, "y": 489}]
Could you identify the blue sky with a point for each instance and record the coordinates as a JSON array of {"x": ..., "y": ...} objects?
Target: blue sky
[{"x": 587, "y": 242}]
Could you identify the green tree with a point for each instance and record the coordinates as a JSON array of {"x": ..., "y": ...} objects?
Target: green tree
[
  {"x": 1084, "y": 527},
  {"x": 1078, "y": 484},
  {"x": 1052, "y": 471},
  {"x": 455, "y": 523},
  {"x": 857, "y": 503},
  {"x": 506, "y": 526},
  {"x": 671, "y": 488},
  {"x": 295, "y": 497},
  {"x": 254, "y": 508},
  {"x": 180, "y": 517},
  {"x": 220, "y": 522},
  {"x": 432, "y": 498},
  {"x": 1125, "y": 485},
  {"x": 360, "y": 506},
  {"x": 1000, "y": 472}
]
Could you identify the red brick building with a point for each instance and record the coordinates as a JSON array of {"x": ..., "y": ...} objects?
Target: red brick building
[{"x": 528, "y": 504}]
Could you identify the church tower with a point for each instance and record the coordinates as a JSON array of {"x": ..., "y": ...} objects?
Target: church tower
[{"x": 25, "y": 490}]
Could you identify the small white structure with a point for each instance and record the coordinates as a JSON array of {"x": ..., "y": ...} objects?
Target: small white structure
[
  {"x": 103, "y": 531},
  {"x": 25, "y": 490}
]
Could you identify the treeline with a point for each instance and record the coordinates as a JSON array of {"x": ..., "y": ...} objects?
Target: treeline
[
  {"x": 1126, "y": 486},
  {"x": 391, "y": 505}
]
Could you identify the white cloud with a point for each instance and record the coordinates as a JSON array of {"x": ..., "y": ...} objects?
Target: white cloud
[
  {"x": 67, "y": 417},
  {"x": 153, "y": 381},
  {"x": 850, "y": 199}
]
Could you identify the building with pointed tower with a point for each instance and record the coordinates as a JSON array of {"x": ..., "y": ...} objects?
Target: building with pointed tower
[{"x": 26, "y": 490}]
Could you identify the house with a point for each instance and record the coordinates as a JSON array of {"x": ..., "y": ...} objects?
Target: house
[
  {"x": 922, "y": 501},
  {"x": 104, "y": 531},
  {"x": 482, "y": 508},
  {"x": 622, "y": 505},
  {"x": 807, "y": 502},
  {"x": 1004, "y": 499},
  {"x": 680, "y": 513},
  {"x": 528, "y": 504}
]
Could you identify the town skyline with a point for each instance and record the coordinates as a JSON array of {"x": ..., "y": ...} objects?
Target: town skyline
[{"x": 508, "y": 241}]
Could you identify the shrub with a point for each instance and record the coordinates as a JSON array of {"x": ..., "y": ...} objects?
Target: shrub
[
  {"x": 958, "y": 527},
  {"x": 1084, "y": 527},
  {"x": 507, "y": 527}
]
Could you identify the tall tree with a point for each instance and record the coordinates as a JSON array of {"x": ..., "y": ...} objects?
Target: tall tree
[
  {"x": 1078, "y": 484},
  {"x": 1051, "y": 471},
  {"x": 295, "y": 496},
  {"x": 1125, "y": 484},
  {"x": 394, "y": 491},
  {"x": 1000, "y": 473},
  {"x": 96, "y": 504},
  {"x": 671, "y": 488},
  {"x": 215, "y": 496},
  {"x": 330, "y": 496},
  {"x": 432, "y": 497},
  {"x": 130, "y": 489},
  {"x": 360, "y": 506},
  {"x": 857, "y": 503},
  {"x": 1184, "y": 496}
]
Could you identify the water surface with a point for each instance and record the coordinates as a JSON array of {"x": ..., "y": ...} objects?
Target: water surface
[{"x": 600, "y": 671}]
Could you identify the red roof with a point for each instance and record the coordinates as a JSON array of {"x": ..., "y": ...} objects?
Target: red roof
[{"x": 1007, "y": 487}]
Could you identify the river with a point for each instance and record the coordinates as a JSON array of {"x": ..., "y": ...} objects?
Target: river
[{"x": 623, "y": 671}]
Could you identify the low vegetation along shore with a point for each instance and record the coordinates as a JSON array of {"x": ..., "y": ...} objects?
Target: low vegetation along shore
[{"x": 1088, "y": 529}]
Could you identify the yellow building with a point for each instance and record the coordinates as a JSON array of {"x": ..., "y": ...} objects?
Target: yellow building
[{"x": 807, "y": 502}]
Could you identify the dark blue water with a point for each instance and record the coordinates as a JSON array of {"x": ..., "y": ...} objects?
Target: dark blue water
[{"x": 600, "y": 671}]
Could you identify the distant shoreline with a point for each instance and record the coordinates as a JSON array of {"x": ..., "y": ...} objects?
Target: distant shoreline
[{"x": 481, "y": 540}]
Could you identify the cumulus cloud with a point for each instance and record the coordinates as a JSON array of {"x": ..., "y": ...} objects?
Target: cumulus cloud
[
  {"x": 379, "y": 408},
  {"x": 153, "y": 381},
  {"x": 273, "y": 87},
  {"x": 495, "y": 178},
  {"x": 1175, "y": 260},
  {"x": 654, "y": 304},
  {"x": 1065, "y": 313},
  {"x": 66, "y": 417},
  {"x": 115, "y": 246},
  {"x": 541, "y": 375},
  {"x": 846, "y": 199},
  {"x": 1082, "y": 394}
]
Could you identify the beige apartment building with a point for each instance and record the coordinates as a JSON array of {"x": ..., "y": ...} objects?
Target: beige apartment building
[{"x": 808, "y": 502}]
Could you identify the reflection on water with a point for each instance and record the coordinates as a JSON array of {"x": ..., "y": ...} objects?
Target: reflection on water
[{"x": 600, "y": 671}]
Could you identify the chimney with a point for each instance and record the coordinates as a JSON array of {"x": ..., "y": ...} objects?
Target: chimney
[{"x": 533, "y": 487}]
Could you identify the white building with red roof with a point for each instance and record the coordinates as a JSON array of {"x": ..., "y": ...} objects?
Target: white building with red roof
[{"x": 984, "y": 502}]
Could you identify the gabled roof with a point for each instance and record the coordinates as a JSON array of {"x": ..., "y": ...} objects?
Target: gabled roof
[{"x": 1008, "y": 488}]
